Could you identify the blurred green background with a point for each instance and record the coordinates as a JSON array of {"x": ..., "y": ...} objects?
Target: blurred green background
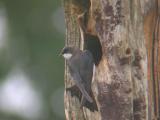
[{"x": 31, "y": 72}]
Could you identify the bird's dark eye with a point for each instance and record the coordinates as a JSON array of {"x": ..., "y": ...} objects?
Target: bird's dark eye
[{"x": 66, "y": 50}]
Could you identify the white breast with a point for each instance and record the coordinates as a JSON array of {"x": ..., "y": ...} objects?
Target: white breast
[{"x": 67, "y": 56}]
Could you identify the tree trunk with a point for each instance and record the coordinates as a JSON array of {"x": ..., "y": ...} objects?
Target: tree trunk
[{"x": 126, "y": 52}]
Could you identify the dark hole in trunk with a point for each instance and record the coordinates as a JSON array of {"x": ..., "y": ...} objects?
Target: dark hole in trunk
[{"x": 92, "y": 43}]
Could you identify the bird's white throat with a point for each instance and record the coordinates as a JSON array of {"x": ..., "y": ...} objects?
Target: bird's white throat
[{"x": 67, "y": 55}]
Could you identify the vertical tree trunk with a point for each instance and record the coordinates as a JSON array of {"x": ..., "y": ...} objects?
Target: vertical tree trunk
[{"x": 124, "y": 29}]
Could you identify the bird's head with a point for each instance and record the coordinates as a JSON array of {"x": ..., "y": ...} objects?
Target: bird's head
[{"x": 68, "y": 52}]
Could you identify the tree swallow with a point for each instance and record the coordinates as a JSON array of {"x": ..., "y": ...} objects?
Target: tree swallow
[{"x": 80, "y": 65}]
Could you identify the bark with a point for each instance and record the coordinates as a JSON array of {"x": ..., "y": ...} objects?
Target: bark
[{"x": 126, "y": 80}]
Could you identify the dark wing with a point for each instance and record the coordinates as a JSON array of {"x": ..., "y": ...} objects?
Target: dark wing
[
  {"x": 74, "y": 70},
  {"x": 86, "y": 73},
  {"x": 86, "y": 68}
]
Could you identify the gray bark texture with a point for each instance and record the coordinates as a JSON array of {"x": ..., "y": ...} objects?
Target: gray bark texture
[{"x": 124, "y": 85}]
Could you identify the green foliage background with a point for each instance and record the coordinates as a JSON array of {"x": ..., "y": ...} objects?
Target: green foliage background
[{"x": 33, "y": 43}]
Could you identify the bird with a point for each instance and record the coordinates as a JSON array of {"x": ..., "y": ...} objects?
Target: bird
[{"x": 80, "y": 65}]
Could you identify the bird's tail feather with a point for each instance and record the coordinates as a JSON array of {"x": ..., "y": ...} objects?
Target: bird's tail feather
[
  {"x": 84, "y": 92},
  {"x": 92, "y": 106}
]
